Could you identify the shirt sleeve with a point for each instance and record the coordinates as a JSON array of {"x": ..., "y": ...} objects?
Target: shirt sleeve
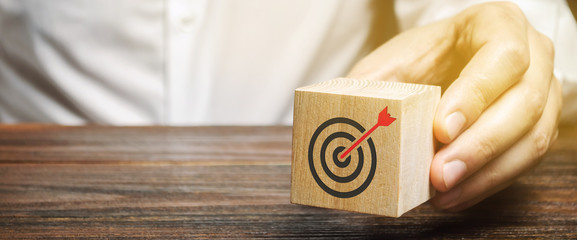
[{"x": 553, "y": 18}]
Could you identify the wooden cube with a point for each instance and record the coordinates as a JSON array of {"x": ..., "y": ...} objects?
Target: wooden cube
[{"x": 363, "y": 146}]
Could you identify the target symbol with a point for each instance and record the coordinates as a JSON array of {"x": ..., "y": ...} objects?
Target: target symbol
[{"x": 338, "y": 147}]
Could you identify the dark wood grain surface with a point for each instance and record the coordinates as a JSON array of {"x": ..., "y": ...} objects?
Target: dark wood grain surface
[{"x": 219, "y": 182}]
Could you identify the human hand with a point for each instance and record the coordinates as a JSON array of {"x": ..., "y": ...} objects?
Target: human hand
[{"x": 501, "y": 103}]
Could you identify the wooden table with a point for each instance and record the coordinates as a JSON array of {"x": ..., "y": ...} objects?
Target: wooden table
[{"x": 215, "y": 182}]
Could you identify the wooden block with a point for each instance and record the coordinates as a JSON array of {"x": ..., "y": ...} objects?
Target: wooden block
[{"x": 387, "y": 172}]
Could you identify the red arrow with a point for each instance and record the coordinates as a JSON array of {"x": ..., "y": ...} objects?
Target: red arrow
[{"x": 385, "y": 119}]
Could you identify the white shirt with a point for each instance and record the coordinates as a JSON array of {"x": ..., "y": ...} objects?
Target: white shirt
[{"x": 201, "y": 62}]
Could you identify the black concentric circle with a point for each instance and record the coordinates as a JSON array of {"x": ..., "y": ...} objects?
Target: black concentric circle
[{"x": 338, "y": 162}]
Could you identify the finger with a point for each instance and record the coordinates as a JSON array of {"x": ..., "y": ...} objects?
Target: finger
[
  {"x": 409, "y": 57},
  {"x": 502, "y": 172},
  {"x": 500, "y": 59},
  {"x": 500, "y": 126}
]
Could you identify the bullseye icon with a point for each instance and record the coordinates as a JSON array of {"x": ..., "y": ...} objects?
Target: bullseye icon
[{"x": 338, "y": 176}]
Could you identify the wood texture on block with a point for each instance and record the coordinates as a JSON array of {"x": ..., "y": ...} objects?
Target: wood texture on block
[{"x": 329, "y": 114}]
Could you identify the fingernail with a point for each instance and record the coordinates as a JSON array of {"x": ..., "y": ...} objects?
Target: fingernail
[
  {"x": 454, "y": 123},
  {"x": 449, "y": 199},
  {"x": 453, "y": 171}
]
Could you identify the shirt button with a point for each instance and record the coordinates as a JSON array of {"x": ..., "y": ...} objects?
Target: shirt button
[{"x": 187, "y": 23}]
